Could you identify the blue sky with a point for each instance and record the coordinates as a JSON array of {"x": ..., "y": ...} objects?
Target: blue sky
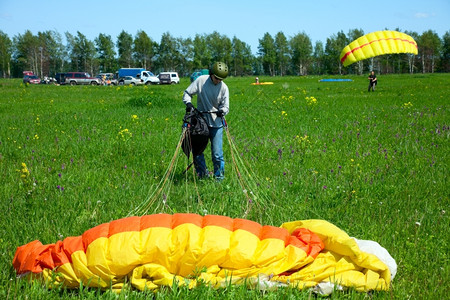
[{"x": 247, "y": 20}]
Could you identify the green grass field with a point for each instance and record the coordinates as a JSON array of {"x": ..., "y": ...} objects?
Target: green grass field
[{"x": 374, "y": 164}]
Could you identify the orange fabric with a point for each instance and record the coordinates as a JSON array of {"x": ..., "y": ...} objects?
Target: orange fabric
[
  {"x": 94, "y": 233},
  {"x": 307, "y": 240},
  {"x": 271, "y": 232},
  {"x": 180, "y": 219},
  {"x": 34, "y": 257},
  {"x": 123, "y": 225},
  {"x": 58, "y": 255},
  {"x": 23, "y": 259},
  {"x": 72, "y": 244},
  {"x": 247, "y": 225},
  {"x": 221, "y": 221},
  {"x": 158, "y": 220}
]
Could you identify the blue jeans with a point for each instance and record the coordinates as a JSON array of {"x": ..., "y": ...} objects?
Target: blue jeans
[{"x": 215, "y": 136}]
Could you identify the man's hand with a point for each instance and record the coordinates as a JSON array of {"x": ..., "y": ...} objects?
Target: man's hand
[{"x": 189, "y": 108}]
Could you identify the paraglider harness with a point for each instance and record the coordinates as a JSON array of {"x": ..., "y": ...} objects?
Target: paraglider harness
[
  {"x": 196, "y": 138},
  {"x": 197, "y": 133}
]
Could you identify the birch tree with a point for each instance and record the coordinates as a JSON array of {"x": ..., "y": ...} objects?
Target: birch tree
[
  {"x": 201, "y": 53},
  {"x": 267, "y": 52},
  {"x": 125, "y": 49},
  {"x": 282, "y": 53},
  {"x": 445, "y": 56},
  {"x": 301, "y": 50},
  {"x": 5, "y": 55},
  {"x": 318, "y": 58},
  {"x": 241, "y": 58},
  {"x": 429, "y": 47},
  {"x": 219, "y": 47},
  {"x": 27, "y": 54},
  {"x": 144, "y": 50},
  {"x": 106, "y": 53}
]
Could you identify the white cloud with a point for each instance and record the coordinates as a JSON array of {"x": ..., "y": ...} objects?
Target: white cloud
[
  {"x": 422, "y": 15},
  {"x": 6, "y": 16}
]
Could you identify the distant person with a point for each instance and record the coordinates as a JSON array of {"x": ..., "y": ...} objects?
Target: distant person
[
  {"x": 257, "y": 80},
  {"x": 212, "y": 98},
  {"x": 372, "y": 81}
]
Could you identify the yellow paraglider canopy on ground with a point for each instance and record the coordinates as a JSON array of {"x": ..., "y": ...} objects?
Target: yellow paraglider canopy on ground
[
  {"x": 262, "y": 83},
  {"x": 377, "y": 43},
  {"x": 157, "y": 250}
]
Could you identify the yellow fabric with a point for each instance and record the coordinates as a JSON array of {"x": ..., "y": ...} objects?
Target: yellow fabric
[
  {"x": 377, "y": 43},
  {"x": 159, "y": 256},
  {"x": 341, "y": 261}
]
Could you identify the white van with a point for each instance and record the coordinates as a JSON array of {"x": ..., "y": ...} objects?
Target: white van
[
  {"x": 140, "y": 73},
  {"x": 168, "y": 78}
]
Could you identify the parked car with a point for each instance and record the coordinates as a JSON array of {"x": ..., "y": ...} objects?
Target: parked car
[
  {"x": 31, "y": 79},
  {"x": 74, "y": 78},
  {"x": 130, "y": 80},
  {"x": 168, "y": 78},
  {"x": 197, "y": 74}
]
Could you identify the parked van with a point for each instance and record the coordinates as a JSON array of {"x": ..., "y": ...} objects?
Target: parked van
[
  {"x": 139, "y": 73},
  {"x": 168, "y": 78}
]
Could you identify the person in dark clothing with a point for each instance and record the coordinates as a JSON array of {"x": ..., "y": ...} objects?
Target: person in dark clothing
[{"x": 372, "y": 81}]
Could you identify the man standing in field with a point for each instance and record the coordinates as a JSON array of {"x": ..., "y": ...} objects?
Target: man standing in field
[
  {"x": 372, "y": 81},
  {"x": 213, "y": 100}
]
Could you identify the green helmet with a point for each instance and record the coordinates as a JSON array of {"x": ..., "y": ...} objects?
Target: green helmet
[{"x": 220, "y": 70}]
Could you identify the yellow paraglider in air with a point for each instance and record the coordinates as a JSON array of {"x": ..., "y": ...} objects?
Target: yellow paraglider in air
[{"x": 377, "y": 43}]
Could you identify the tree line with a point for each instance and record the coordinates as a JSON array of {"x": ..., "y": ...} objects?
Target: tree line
[{"x": 47, "y": 54}]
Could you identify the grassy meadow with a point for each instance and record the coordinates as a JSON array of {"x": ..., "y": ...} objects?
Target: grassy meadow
[{"x": 374, "y": 164}]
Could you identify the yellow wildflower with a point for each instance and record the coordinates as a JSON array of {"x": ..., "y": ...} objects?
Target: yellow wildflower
[
  {"x": 124, "y": 134},
  {"x": 24, "y": 173},
  {"x": 302, "y": 139},
  {"x": 407, "y": 105},
  {"x": 311, "y": 101}
]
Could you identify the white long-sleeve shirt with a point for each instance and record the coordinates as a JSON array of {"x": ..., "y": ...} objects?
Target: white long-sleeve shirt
[{"x": 210, "y": 98}]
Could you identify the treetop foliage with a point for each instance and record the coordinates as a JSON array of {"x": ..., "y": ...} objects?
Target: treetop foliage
[{"x": 46, "y": 54}]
